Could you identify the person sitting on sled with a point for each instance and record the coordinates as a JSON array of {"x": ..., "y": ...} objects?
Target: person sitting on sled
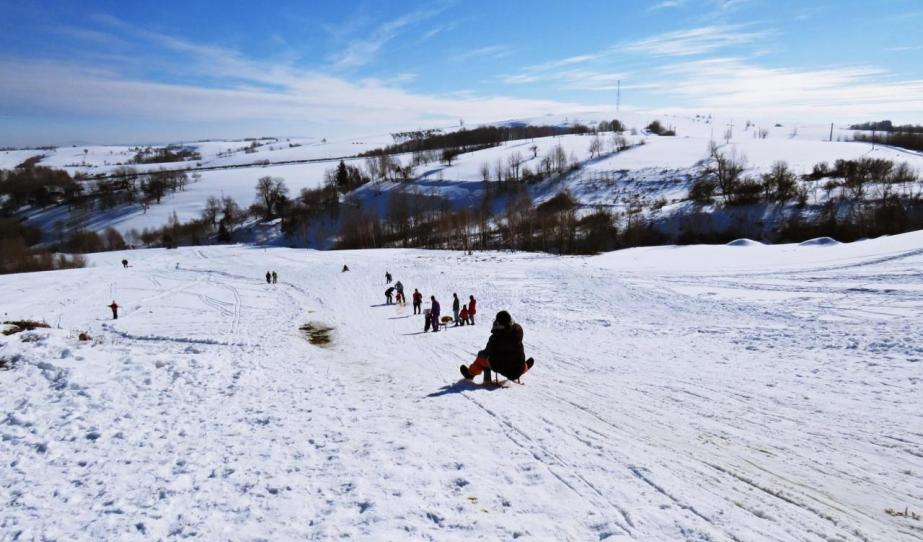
[{"x": 503, "y": 353}]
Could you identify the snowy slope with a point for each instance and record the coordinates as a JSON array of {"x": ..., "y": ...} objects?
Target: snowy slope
[
  {"x": 697, "y": 393},
  {"x": 660, "y": 168}
]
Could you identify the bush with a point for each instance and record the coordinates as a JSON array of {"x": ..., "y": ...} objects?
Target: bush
[
  {"x": 17, "y": 257},
  {"x": 703, "y": 190},
  {"x": 746, "y": 192},
  {"x": 780, "y": 184},
  {"x": 657, "y": 128}
]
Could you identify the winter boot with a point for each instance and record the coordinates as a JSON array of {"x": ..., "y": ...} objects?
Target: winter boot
[
  {"x": 530, "y": 362},
  {"x": 465, "y": 372}
]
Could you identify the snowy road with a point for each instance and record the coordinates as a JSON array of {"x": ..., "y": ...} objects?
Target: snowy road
[{"x": 699, "y": 393}]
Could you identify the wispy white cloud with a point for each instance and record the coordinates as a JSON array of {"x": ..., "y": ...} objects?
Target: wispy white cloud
[
  {"x": 488, "y": 51},
  {"x": 363, "y": 50},
  {"x": 252, "y": 93},
  {"x": 727, "y": 5},
  {"x": 695, "y": 41},
  {"x": 665, "y": 4},
  {"x": 733, "y": 85}
]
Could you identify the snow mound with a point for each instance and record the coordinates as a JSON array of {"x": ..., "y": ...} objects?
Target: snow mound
[
  {"x": 819, "y": 242},
  {"x": 744, "y": 243}
]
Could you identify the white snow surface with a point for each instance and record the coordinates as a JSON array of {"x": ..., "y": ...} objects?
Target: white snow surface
[
  {"x": 660, "y": 168},
  {"x": 696, "y": 393}
]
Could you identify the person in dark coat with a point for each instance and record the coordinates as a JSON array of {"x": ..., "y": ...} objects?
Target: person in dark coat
[
  {"x": 417, "y": 301},
  {"x": 115, "y": 310},
  {"x": 388, "y": 293},
  {"x": 456, "y": 305},
  {"x": 125, "y": 263},
  {"x": 268, "y": 277},
  {"x": 399, "y": 288},
  {"x": 387, "y": 277},
  {"x": 275, "y": 277},
  {"x": 434, "y": 313},
  {"x": 345, "y": 268},
  {"x": 504, "y": 352}
]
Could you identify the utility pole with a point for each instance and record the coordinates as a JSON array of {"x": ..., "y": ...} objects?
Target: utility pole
[
  {"x": 831, "y": 131},
  {"x": 618, "y": 95},
  {"x": 730, "y": 133}
]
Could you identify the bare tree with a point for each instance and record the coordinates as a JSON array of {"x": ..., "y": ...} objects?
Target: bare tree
[
  {"x": 271, "y": 193},
  {"x": 485, "y": 172},
  {"x": 514, "y": 160},
  {"x": 596, "y": 146}
]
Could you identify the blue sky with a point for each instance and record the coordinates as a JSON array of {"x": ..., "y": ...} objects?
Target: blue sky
[{"x": 115, "y": 71}]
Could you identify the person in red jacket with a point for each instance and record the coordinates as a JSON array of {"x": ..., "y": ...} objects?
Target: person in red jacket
[
  {"x": 115, "y": 310},
  {"x": 472, "y": 309},
  {"x": 463, "y": 315},
  {"x": 417, "y": 301}
]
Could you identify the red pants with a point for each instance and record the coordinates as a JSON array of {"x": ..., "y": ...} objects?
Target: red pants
[{"x": 481, "y": 363}]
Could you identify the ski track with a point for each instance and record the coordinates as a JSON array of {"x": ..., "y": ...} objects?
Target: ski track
[{"x": 710, "y": 406}]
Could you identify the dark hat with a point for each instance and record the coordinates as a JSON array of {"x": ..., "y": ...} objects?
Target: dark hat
[{"x": 504, "y": 318}]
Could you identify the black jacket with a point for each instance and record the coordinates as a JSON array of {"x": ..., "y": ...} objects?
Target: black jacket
[
  {"x": 455, "y": 304},
  {"x": 505, "y": 352}
]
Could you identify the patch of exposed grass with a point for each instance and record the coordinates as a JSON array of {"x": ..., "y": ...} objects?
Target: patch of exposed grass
[
  {"x": 22, "y": 325},
  {"x": 317, "y": 334},
  {"x": 6, "y": 362}
]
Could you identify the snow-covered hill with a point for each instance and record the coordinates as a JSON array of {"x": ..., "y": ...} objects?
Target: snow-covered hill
[
  {"x": 745, "y": 392},
  {"x": 660, "y": 168}
]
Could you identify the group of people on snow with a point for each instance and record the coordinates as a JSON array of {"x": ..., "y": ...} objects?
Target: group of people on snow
[
  {"x": 504, "y": 353},
  {"x": 397, "y": 289}
]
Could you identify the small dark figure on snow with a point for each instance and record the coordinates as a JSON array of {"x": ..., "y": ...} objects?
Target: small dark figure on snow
[
  {"x": 275, "y": 277},
  {"x": 472, "y": 309},
  {"x": 434, "y": 313},
  {"x": 417, "y": 301},
  {"x": 345, "y": 268},
  {"x": 387, "y": 277},
  {"x": 388, "y": 293},
  {"x": 455, "y": 306},
  {"x": 503, "y": 353},
  {"x": 427, "y": 320},
  {"x": 268, "y": 277},
  {"x": 115, "y": 310},
  {"x": 125, "y": 263},
  {"x": 399, "y": 288}
]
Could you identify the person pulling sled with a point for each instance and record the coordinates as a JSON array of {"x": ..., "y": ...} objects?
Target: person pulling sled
[{"x": 504, "y": 352}]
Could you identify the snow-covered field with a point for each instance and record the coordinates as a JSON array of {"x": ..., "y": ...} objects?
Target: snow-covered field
[
  {"x": 660, "y": 168},
  {"x": 699, "y": 393}
]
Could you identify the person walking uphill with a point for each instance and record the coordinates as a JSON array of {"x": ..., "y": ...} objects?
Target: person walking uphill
[
  {"x": 275, "y": 277},
  {"x": 503, "y": 353},
  {"x": 268, "y": 277},
  {"x": 455, "y": 306},
  {"x": 115, "y": 310},
  {"x": 434, "y": 313},
  {"x": 417, "y": 301},
  {"x": 387, "y": 277}
]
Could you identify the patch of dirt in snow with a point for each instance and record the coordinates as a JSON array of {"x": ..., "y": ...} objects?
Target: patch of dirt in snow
[
  {"x": 17, "y": 326},
  {"x": 317, "y": 334}
]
